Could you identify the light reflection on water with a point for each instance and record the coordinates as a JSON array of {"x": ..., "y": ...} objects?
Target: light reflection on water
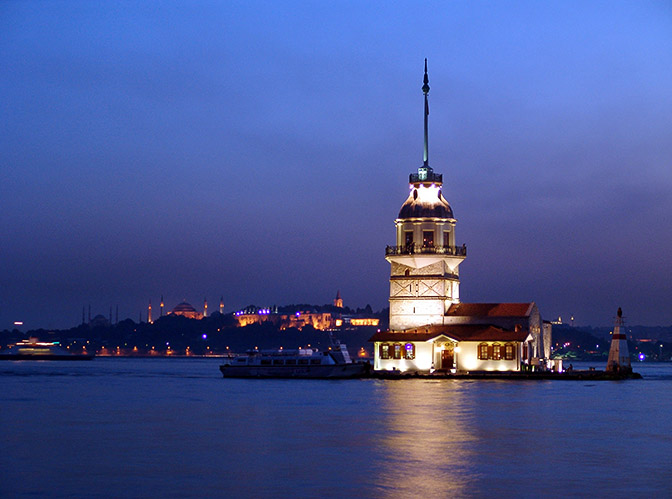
[
  {"x": 171, "y": 427},
  {"x": 426, "y": 439}
]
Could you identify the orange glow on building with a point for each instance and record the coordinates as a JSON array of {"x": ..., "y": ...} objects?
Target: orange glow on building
[{"x": 365, "y": 322}]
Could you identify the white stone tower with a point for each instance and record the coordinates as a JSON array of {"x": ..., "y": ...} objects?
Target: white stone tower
[
  {"x": 424, "y": 278},
  {"x": 619, "y": 356}
]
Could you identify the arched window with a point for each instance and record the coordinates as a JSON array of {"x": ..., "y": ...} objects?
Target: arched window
[
  {"x": 483, "y": 351},
  {"x": 496, "y": 351},
  {"x": 384, "y": 351},
  {"x": 409, "y": 351},
  {"x": 509, "y": 351}
]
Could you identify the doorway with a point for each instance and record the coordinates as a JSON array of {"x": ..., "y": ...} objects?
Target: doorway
[{"x": 448, "y": 357}]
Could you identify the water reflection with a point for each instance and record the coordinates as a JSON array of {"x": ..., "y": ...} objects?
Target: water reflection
[{"x": 426, "y": 446}]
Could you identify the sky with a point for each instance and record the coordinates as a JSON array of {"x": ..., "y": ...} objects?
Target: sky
[{"x": 260, "y": 152}]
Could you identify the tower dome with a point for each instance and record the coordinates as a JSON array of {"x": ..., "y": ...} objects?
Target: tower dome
[{"x": 424, "y": 202}]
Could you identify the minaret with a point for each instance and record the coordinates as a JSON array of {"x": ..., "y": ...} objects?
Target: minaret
[
  {"x": 424, "y": 276},
  {"x": 221, "y": 305},
  {"x": 161, "y": 310},
  {"x": 205, "y": 307},
  {"x": 149, "y": 312},
  {"x": 619, "y": 357}
]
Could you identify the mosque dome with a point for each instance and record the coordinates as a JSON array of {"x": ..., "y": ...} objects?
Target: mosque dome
[
  {"x": 187, "y": 310},
  {"x": 425, "y": 202}
]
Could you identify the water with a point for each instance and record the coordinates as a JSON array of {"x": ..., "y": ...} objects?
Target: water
[{"x": 175, "y": 428}]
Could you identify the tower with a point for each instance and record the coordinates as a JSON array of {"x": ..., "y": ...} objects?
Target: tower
[
  {"x": 619, "y": 356},
  {"x": 161, "y": 309},
  {"x": 338, "y": 301},
  {"x": 205, "y": 307},
  {"x": 221, "y": 305},
  {"x": 424, "y": 276},
  {"x": 149, "y": 312}
]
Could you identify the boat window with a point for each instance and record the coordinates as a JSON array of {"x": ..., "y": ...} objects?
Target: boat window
[
  {"x": 397, "y": 351},
  {"x": 315, "y": 361},
  {"x": 409, "y": 351},
  {"x": 278, "y": 362},
  {"x": 265, "y": 362},
  {"x": 241, "y": 360},
  {"x": 290, "y": 362},
  {"x": 303, "y": 362}
]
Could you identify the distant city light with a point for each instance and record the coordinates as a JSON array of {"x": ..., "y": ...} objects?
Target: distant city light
[
  {"x": 18, "y": 323},
  {"x": 205, "y": 336},
  {"x": 642, "y": 356}
]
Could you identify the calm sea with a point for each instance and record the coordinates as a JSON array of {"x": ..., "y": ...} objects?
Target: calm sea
[{"x": 175, "y": 427}]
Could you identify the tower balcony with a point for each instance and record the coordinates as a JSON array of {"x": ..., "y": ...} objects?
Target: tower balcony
[
  {"x": 418, "y": 249},
  {"x": 425, "y": 177}
]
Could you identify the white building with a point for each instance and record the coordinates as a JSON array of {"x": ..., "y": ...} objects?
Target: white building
[{"x": 430, "y": 329}]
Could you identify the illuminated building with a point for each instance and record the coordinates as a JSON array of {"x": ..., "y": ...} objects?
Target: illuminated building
[
  {"x": 302, "y": 318},
  {"x": 149, "y": 312},
  {"x": 430, "y": 329},
  {"x": 338, "y": 301},
  {"x": 205, "y": 307},
  {"x": 186, "y": 310},
  {"x": 424, "y": 275},
  {"x": 221, "y": 305}
]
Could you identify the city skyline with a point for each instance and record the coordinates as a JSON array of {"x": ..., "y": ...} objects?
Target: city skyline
[{"x": 261, "y": 152}]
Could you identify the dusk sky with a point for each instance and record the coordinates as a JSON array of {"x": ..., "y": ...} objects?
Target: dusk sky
[{"x": 260, "y": 151}]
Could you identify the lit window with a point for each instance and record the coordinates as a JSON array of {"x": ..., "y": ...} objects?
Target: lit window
[
  {"x": 409, "y": 351},
  {"x": 397, "y": 351},
  {"x": 509, "y": 352},
  {"x": 496, "y": 351},
  {"x": 428, "y": 238},
  {"x": 384, "y": 351},
  {"x": 483, "y": 351}
]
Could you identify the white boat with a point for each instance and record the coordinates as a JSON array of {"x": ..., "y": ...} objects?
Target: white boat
[{"x": 302, "y": 363}]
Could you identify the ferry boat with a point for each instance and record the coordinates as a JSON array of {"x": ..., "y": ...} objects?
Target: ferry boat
[
  {"x": 32, "y": 349},
  {"x": 334, "y": 363}
]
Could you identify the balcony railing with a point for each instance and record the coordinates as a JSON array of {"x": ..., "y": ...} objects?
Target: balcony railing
[{"x": 418, "y": 249}]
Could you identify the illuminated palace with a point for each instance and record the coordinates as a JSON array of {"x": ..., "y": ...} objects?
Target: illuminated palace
[
  {"x": 430, "y": 329},
  {"x": 302, "y": 318}
]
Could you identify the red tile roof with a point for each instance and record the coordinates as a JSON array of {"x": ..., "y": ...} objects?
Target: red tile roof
[
  {"x": 467, "y": 332},
  {"x": 490, "y": 309}
]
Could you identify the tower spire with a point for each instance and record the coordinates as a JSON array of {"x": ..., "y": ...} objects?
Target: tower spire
[{"x": 425, "y": 90}]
